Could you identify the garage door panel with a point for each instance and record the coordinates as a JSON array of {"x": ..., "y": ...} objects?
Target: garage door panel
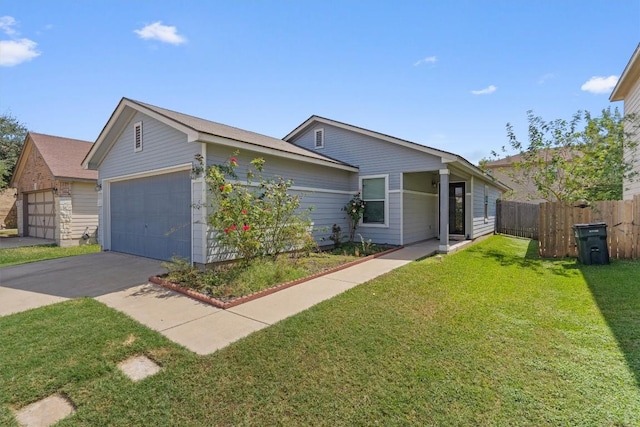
[
  {"x": 41, "y": 214},
  {"x": 151, "y": 216}
]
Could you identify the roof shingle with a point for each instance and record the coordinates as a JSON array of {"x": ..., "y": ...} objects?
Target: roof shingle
[{"x": 64, "y": 155}]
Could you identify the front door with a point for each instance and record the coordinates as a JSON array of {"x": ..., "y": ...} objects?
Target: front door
[{"x": 456, "y": 208}]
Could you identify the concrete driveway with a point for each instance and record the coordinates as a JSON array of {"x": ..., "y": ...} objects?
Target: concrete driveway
[{"x": 40, "y": 283}]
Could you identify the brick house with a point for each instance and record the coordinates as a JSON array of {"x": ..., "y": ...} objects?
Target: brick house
[{"x": 57, "y": 198}]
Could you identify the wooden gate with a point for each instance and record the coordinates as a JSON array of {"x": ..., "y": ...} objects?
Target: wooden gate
[{"x": 621, "y": 216}]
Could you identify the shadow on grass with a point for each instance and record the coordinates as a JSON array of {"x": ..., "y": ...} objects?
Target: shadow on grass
[
  {"x": 616, "y": 290},
  {"x": 563, "y": 267}
]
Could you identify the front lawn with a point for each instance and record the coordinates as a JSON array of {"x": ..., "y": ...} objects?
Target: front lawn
[
  {"x": 490, "y": 335},
  {"x": 13, "y": 256},
  {"x": 229, "y": 281}
]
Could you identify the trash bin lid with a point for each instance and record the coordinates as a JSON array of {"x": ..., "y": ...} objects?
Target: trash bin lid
[{"x": 592, "y": 225}]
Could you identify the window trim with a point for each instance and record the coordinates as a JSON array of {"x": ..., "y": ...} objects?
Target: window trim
[
  {"x": 136, "y": 126},
  {"x": 486, "y": 203},
  {"x": 315, "y": 138},
  {"x": 386, "y": 200}
]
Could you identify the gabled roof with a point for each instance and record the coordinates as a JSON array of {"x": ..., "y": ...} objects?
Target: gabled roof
[
  {"x": 63, "y": 156},
  {"x": 202, "y": 130},
  {"x": 446, "y": 156},
  {"x": 630, "y": 76}
]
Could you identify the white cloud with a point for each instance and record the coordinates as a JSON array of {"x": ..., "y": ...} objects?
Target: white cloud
[
  {"x": 427, "y": 60},
  {"x": 549, "y": 76},
  {"x": 486, "y": 91},
  {"x": 597, "y": 84},
  {"x": 163, "y": 33},
  {"x": 14, "y": 52},
  {"x": 6, "y": 25}
]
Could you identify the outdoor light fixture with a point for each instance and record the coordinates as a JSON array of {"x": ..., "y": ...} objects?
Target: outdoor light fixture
[
  {"x": 98, "y": 187},
  {"x": 54, "y": 190}
]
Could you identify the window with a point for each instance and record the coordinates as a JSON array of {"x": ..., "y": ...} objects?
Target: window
[
  {"x": 374, "y": 193},
  {"x": 318, "y": 138},
  {"x": 486, "y": 204},
  {"x": 137, "y": 137}
]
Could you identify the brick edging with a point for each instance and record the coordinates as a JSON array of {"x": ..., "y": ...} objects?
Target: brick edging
[{"x": 246, "y": 298}]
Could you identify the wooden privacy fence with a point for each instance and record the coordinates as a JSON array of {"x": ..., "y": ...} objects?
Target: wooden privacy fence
[
  {"x": 622, "y": 217},
  {"x": 517, "y": 218}
]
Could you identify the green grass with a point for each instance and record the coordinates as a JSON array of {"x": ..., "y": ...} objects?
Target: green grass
[
  {"x": 13, "y": 256},
  {"x": 9, "y": 232},
  {"x": 235, "y": 280},
  {"x": 490, "y": 335}
]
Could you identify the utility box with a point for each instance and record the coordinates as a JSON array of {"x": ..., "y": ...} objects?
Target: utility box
[{"x": 592, "y": 243}]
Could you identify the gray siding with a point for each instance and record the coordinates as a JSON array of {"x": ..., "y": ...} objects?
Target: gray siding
[
  {"x": 326, "y": 211},
  {"x": 163, "y": 147},
  {"x": 420, "y": 221},
  {"x": 371, "y": 155},
  {"x": 375, "y": 157},
  {"x": 480, "y": 225},
  {"x": 632, "y": 106},
  {"x": 303, "y": 174}
]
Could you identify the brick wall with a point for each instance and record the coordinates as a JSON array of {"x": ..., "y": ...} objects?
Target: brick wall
[
  {"x": 35, "y": 175},
  {"x": 8, "y": 211}
]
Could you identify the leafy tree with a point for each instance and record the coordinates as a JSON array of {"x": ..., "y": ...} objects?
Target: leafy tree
[
  {"x": 255, "y": 220},
  {"x": 581, "y": 159},
  {"x": 12, "y": 135}
]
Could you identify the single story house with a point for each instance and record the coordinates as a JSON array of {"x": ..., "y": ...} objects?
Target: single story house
[
  {"x": 153, "y": 204},
  {"x": 628, "y": 90},
  {"x": 56, "y": 196}
]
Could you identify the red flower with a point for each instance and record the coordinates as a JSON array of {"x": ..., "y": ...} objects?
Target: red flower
[
  {"x": 233, "y": 227},
  {"x": 234, "y": 161},
  {"x": 244, "y": 212},
  {"x": 226, "y": 230},
  {"x": 222, "y": 188},
  {"x": 246, "y": 227}
]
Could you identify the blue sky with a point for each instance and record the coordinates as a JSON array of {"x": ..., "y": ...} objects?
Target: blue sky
[{"x": 448, "y": 74}]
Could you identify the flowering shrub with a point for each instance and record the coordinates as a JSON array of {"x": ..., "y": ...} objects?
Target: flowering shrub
[
  {"x": 354, "y": 209},
  {"x": 254, "y": 219}
]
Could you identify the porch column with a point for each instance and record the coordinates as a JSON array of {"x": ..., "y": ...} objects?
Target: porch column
[{"x": 444, "y": 211}]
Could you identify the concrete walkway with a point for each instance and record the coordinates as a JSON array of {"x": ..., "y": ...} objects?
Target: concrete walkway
[{"x": 204, "y": 329}]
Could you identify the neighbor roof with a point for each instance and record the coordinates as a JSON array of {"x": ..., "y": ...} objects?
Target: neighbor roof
[
  {"x": 202, "y": 130},
  {"x": 63, "y": 156},
  {"x": 630, "y": 76}
]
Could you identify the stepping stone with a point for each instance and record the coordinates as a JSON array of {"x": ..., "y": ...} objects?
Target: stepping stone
[
  {"x": 138, "y": 367},
  {"x": 45, "y": 412}
]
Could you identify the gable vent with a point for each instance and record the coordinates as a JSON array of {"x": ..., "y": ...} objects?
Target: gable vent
[
  {"x": 137, "y": 136},
  {"x": 319, "y": 138}
]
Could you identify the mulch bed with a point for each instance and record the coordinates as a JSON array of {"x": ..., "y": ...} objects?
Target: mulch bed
[{"x": 228, "y": 303}]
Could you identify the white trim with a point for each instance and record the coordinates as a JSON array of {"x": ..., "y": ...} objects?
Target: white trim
[
  {"x": 315, "y": 138},
  {"x": 395, "y": 191},
  {"x": 444, "y": 171},
  {"x": 418, "y": 193},
  {"x": 434, "y": 152},
  {"x": 137, "y": 133},
  {"x": 161, "y": 171},
  {"x": 278, "y": 153},
  {"x": 386, "y": 200}
]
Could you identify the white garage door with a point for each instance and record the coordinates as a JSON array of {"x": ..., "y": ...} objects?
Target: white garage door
[{"x": 41, "y": 215}]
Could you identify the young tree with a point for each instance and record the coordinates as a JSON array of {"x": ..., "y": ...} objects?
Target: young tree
[
  {"x": 12, "y": 135},
  {"x": 582, "y": 159},
  {"x": 255, "y": 220}
]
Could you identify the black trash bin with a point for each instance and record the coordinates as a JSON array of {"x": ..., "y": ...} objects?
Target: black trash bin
[{"x": 592, "y": 243}]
